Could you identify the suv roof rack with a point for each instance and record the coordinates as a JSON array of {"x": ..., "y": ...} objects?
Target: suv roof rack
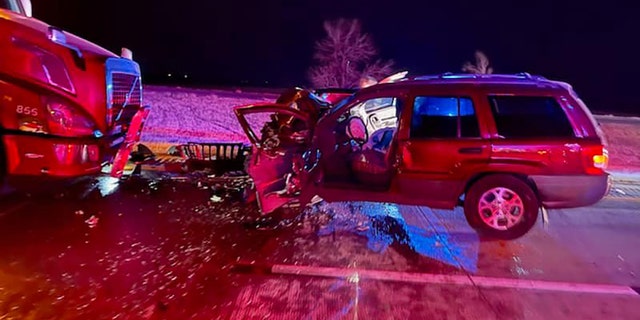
[{"x": 472, "y": 76}]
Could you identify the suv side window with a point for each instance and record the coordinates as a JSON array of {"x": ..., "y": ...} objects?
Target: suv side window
[
  {"x": 529, "y": 117},
  {"x": 444, "y": 117},
  {"x": 377, "y": 113}
]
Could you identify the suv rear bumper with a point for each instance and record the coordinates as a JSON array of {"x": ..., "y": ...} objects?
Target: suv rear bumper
[{"x": 571, "y": 191}]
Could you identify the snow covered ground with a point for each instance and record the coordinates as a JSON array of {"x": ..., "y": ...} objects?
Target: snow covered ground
[
  {"x": 623, "y": 135},
  {"x": 195, "y": 115},
  {"x": 181, "y": 115}
]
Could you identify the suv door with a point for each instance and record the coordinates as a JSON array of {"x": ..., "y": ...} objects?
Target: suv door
[
  {"x": 358, "y": 143},
  {"x": 539, "y": 129},
  {"x": 441, "y": 145},
  {"x": 279, "y": 136}
]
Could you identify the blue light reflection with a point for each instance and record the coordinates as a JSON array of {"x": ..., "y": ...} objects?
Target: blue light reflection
[{"x": 421, "y": 230}]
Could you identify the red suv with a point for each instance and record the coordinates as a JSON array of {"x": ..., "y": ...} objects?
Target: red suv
[{"x": 501, "y": 146}]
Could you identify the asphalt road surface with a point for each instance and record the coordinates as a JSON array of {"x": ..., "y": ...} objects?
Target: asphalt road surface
[{"x": 156, "y": 247}]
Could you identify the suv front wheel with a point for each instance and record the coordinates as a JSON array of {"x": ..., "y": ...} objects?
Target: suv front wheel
[{"x": 501, "y": 206}]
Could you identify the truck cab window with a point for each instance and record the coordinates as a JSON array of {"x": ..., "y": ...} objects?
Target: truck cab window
[{"x": 12, "y": 5}]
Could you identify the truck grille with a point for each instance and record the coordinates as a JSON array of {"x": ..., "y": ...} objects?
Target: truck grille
[
  {"x": 126, "y": 95},
  {"x": 124, "y": 91}
]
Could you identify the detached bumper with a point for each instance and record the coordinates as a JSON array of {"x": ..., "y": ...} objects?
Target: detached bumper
[
  {"x": 571, "y": 191},
  {"x": 122, "y": 150}
]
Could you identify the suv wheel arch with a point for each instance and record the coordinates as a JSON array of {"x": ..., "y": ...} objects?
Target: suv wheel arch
[{"x": 471, "y": 181}]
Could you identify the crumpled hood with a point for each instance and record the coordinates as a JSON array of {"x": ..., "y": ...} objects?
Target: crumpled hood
[
  {"x": 43, "y": 28},
  {"x": 305, "y": 101}
]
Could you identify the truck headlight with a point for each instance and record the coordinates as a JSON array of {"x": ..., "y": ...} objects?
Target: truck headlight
[
  {"x": 45, "y": 66},
  {"x": 65, "y": 120}
]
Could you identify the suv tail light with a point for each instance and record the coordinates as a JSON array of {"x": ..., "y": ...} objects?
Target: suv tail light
[{"x": 596, "y": 159}]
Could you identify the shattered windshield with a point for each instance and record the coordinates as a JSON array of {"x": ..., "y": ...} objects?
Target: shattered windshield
[
  {"x": 341, "y": 104},
  {"x": 12, "y": 5}
]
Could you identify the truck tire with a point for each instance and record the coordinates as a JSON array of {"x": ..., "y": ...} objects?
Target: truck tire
[{"x": 501, "y": 206}]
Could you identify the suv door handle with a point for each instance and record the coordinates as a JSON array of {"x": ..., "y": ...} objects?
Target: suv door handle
[{"x": 471, "y": 150}]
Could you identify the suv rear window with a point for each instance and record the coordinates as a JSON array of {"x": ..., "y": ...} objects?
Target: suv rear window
[
  {"x": 530, "y": 117},
  {"x": 444, "y": 117}
]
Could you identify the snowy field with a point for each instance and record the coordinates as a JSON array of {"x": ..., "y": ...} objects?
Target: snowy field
[
  {"x": 195, "y": 115},
  {"x": 181, "y": 115}
]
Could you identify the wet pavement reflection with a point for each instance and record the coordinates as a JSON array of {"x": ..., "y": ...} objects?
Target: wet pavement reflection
[{"x": 169, "y": 247}]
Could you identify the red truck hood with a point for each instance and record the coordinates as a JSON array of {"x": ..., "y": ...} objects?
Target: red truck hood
[{"x": 43, "y": 28}]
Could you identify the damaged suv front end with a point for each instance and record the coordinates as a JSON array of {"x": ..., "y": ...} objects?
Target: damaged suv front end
[{"x": 281, "y": 134}]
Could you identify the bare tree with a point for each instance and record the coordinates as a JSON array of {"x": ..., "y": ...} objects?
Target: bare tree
[
  {"x": 481, "y": 65},
  {"x": 345, "y": 55}
]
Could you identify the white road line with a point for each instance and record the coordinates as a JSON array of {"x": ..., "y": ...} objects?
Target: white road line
[
  {"x": 552, "y": 286},
  {"x": 486, "y": 282},
  {"x": 632, "y": 199}
]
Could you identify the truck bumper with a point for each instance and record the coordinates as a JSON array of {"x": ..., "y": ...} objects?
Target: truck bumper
[
  {"x": 571, "y": 191},
  {"x": 37, "y": 155},
  {"x": 34, "y": 155}
]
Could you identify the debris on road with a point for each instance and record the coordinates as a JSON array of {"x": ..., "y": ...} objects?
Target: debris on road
[{"x": 92, "y": 221}]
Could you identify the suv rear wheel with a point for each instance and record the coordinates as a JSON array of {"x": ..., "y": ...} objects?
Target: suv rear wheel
[{"x": 501, "y": 206}]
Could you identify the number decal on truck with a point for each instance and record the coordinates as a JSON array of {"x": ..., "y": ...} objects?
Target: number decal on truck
[{"x": 28, "y": 111}]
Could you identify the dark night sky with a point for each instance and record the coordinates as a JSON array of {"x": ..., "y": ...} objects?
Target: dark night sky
[{"x": 593, "y": 45}]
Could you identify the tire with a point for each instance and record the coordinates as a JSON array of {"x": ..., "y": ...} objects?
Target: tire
[{"x": 501, "y": 206}]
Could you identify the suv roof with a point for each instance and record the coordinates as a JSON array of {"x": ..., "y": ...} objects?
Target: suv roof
[
  {"x": 482, "y": 77},
  {"x": 520, "y": 80}
]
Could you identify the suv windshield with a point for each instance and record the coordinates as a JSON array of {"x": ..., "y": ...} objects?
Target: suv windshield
[
  {"x": 341, "y": 104},
  {"x": 12, "y": 5}
]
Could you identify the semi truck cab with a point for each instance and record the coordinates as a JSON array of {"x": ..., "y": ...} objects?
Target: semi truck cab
[{"x": 68, "y": 107}]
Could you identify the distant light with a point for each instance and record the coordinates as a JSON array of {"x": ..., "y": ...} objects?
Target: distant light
[
  {"x": 185, "y": 76},
  {"x": 126, "y": 53},
  {"x": 169, "y": 75}
]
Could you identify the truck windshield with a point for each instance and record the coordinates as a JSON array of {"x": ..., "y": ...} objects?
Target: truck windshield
[{"x": 12, "y": 5}]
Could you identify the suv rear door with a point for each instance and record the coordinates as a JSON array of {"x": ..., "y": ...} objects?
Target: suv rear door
[
  {"x": 533, "y": 135},
  {"x": 442, "y": 142}
]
